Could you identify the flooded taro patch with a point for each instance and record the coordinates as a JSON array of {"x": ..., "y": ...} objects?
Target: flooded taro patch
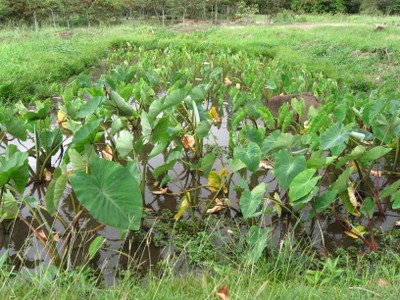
[{"x": 170, "y": 144}]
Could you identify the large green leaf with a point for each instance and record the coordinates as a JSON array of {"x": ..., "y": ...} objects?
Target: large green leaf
[
  {"x": 119, "y": 104},
  {"x": 90, "y": 107},
  {"x": 256, "y": 239},
  {"x": 55, "y": 190},
  {"x": 207, "y": 163},
  {"x": 287, "y": 167},
  {"x": 375, "y": 153},
  {"x": 250, "y": 201},
  {"x": 14, "y": 166},
  {"x": 303, "y": 184},
  {"x": 125, "y": 143},
  {"x": 250, "y": 155},
  {"x": 86, "y": 134},
  {"x": 334, "y": 136},
  {"x": 110, "y": 193}
]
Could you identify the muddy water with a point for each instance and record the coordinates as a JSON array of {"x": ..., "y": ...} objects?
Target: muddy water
[{"x": 137, "y": 250}]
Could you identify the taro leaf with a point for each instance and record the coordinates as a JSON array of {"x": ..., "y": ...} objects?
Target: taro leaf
[
  {"x": 250, "y": 155},
  {"x": 305, "y": 199},
  {"x": 110, "y": 193},
  {"x": 283, "y": 141},
  {"x": 125, "y": 143},
  {"x": 16, "y": 127},
  {"x": 250, "y": 201},
  {"x": 14, "y": 166},
  {"x": 3, "y": 258},
  {"x": 269, "y": 141},
  {"x": 153, "y": 78},
  {"x": 252, "y": 134},
  {"x": 355, "y": 154},
  {"x": 396, "y": 200},
  {"x": 375, "y": 153},
  {"x": 318, "y": 161},
  {"x": 217, "y": 182},
  {"x": 95, "y": 246},
  {"x": 163, "y": 168},
  {"x": 86, "y": 134},
  {"x": 50, "y": 140},
  {"x": 334, "y": 136},
  {"x": 341, "y": 183},
  {"x": 256, "y": 239},
  {"x": 134, "y": 170},
  {"x": 390, "y": 190},
  {"x": 146, "y": 126},
  {"x": 41, "y": 112},
  {"x": 236, "y": 165},
  {"x": 349, "y": 201},
  {"x": 55, "y": 191},
  {"x": 184, "y": 206},
  {"x": 322, "y": 202},
  {"x": 90, "y": 107},
  {"x": 159, "y": 148},
  {"x": 267, "y": 117},
  {"x": 385, "y": 128},
  {"x": 9, "y": 207},
  {"x": 119, "y": 103},
  {"x": 367, "y": 207},
  {"x": 202, "y": 129},
  {"x": 287, "y": 121},
  {"x": 207, "y": 163},
  {"x": 77, "y": 161},
  {"x": 302, "y": 184},
  {"x": 116, "y": 125},
  {"x": 160, "y": 133},
  {"x": 173, "y": 98},
  {"x": 287, "y": 167}
]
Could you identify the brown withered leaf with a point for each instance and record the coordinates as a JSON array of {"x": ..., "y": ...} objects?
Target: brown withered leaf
[
  {"x": 376, "y": 173},
  {"x": 42, "y": 235},
  {"x": 47, "y": 175},
  {"x": 107, "y": 153},
  {"x": 219, "y": 207},
  {"x": 223, "y": 293},
  {"x": 162, "y": 191},
  {"x": 266, "y": 165},
  {"x": 188, "y": 142},
  {"x": 383, "y": 282}
]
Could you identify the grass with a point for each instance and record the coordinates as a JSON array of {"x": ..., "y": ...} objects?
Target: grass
[
  {"x": 32, "y": 64},
  {"x": 280, "y": 276}
]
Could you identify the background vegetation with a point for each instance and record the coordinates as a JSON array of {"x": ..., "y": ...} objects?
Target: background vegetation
[{"x": 89, "y": 12}]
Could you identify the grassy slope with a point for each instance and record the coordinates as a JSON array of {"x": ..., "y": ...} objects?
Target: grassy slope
[{"x": 30, "y": 62}]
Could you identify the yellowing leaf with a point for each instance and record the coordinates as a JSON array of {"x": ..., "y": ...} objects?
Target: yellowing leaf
[
  {"x": 216, "y": 181},
  {"x": 355, "y": 232},
  {"x": 352, "y": 196},
  {"x": 353, "y": 164},
  {"x": 61, "y": 117},
  {"x": 185, "y": 205},
  {"x": 397, "y": 223},
  {"x": 214, "y": 113},
  {"x": 223, "y": 293},
  {"x": 238, "y": 86},
  {"x": 188, "y": 142},
  {"x": 227, "y": 81}
]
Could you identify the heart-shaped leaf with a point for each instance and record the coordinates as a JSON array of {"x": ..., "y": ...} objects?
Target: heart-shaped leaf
[
  {"x": 250, "y": 155},
  {"x": 110, "y": 193}
]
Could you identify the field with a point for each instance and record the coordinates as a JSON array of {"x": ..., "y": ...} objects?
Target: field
[{"x": 154, "y": 160}]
